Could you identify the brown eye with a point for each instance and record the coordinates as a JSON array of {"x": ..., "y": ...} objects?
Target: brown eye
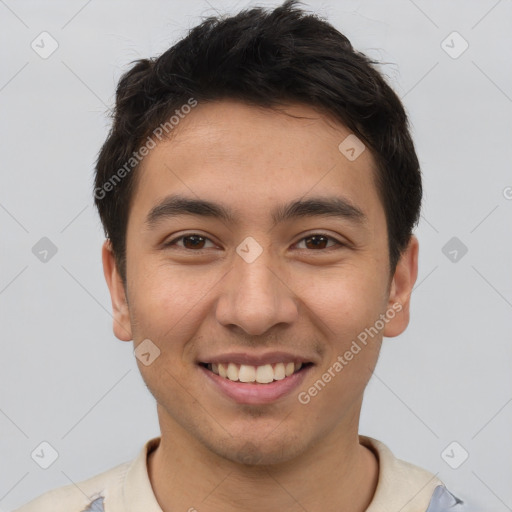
[
  {"x": 318, "y": 241},
  {"x": 190, "y": 242},
  {"x": 193, "y": 242}
]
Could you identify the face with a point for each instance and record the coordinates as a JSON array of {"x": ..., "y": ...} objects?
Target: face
[{"x": 262, "y": 289}]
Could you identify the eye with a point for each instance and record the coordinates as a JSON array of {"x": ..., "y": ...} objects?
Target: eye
[
  {"x": 318, "y": 241},
  {"x": 192, "y": 241},
  {"x": 196, "y": 242}
]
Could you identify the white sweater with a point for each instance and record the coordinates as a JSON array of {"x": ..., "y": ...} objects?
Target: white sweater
[{"x": 126, "y": 488}]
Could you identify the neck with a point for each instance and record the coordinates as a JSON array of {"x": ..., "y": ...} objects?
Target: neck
[{"x": 337, "y": 473}]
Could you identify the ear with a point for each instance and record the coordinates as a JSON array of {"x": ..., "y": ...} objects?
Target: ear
[
  {"x": 120, "y": 311},
  {"x": 401, "y": 288}
]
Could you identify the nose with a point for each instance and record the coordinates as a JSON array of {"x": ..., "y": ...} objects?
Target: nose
[{"x": 256, "y": 296}]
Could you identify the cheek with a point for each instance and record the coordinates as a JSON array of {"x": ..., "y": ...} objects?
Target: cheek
[
  {"x": 348, "y": 313},
  {"x": 165, "y": 301},
  {"x": 346, "y": 300}
]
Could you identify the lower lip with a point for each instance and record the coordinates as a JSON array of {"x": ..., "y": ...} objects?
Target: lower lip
[{"x": 251, "y": 393}]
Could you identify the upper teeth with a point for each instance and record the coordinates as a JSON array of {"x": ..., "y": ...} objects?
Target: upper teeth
[{"x": 261, "y": 374}]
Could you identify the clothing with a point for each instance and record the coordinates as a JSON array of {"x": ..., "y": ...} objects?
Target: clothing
[{"x": 127, "y": 488}]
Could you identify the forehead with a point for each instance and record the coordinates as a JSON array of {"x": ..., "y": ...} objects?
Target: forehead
[{"x": 251, "y": 157}]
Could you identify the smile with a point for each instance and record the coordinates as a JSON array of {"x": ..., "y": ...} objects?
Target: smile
[
  {"x": 255, "y": 384},
  {"x": 263, "y": 374}
]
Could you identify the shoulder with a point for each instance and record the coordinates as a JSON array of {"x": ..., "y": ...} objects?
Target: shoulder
[
  {"x": 406, "y": 487},
  {"x": 85, "y": 496},
  {"x": 110, "y": 491}
]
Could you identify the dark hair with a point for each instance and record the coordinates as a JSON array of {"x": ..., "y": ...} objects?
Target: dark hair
[{"x": 270, "y": 59}]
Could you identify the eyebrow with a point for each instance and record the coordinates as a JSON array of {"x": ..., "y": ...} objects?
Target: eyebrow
[{"x": 332, "y": 206}]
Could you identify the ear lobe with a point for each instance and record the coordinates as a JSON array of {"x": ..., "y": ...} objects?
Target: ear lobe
[
  {"x": 401, "y": 287},
  {"x": 120, "y": 312}
]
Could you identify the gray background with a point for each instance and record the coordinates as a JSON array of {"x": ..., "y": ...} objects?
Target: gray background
[{"x": 64, "y": 377}]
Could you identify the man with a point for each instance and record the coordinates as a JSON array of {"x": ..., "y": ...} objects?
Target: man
[{"x": 258, "y": 191}]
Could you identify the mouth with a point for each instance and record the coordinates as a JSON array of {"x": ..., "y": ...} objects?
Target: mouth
[
  {"x": 254, "y": 378},
  {"x": 250, "y": 374},
  {"x": 254, "y": 384}
]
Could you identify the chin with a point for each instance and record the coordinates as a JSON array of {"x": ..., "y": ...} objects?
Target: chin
[{"x": 261, "y": 452}]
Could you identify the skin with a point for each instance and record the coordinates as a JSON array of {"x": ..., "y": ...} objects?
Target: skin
[{"x": 216, "y": 455}]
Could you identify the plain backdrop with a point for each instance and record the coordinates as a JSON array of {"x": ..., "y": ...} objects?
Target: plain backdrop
[{"x": 441, "y": 392}]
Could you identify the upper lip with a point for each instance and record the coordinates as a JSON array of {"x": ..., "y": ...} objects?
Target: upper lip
[{"x": 256, "y": 359}]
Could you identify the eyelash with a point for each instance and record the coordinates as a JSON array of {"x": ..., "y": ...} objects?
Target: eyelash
[{"x": 337, "y": 245}]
